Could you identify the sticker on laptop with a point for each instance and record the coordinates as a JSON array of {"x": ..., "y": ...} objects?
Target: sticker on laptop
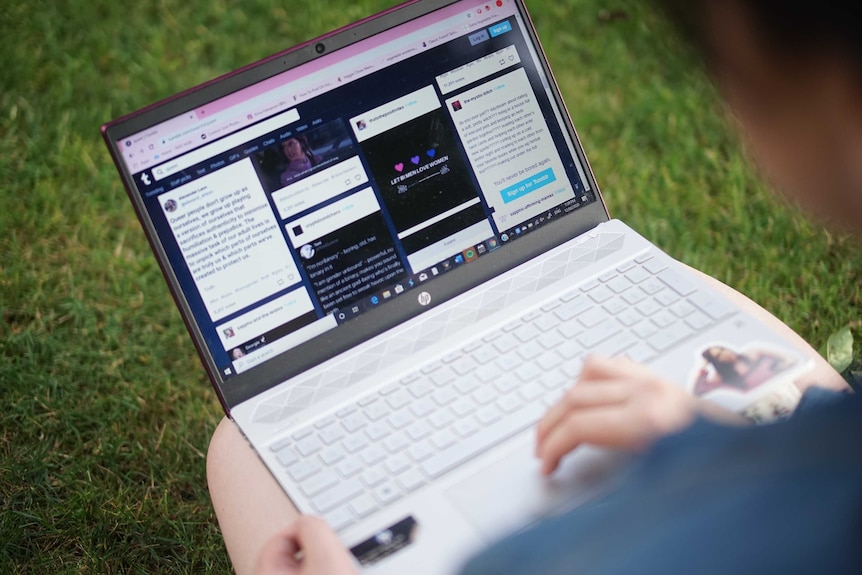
[
  {"x": 725, "y": 368},
  {"x": 386, "y": 542}
]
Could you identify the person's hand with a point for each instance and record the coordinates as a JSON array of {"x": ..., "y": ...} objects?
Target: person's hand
[
  {"x": 619, "y": 404},
  {"x": 306, "y": 547}
]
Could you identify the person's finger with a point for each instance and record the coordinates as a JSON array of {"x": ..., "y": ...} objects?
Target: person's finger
[
  {"x": 322, "y": 551},
  {"x": 601, "y": 426},
  {"x": 582, "y": 397},
  {"x": 278, "y": 555}
]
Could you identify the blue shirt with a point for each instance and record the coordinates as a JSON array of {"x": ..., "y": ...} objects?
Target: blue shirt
[{"x": 780, "y": 499}]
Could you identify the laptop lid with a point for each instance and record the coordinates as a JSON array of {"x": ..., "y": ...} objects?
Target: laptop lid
[{"x": 305, "y": 203}]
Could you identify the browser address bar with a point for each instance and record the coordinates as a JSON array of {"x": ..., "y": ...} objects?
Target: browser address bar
[{"x": 170, "y": 168}]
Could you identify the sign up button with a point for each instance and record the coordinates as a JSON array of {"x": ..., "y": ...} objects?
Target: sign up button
[{"x": 501, "y": 28}]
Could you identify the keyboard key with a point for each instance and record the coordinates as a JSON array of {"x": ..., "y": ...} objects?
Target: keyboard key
[
  {"x": 645, "y": 257},
  {"x": 464, "y": 365},
  {"x": 652, "y": 286},
  {"x": 682, "y": 309},
  {"x": 465, "y": 427},
  {"x": 442, "y": 418},
  {"x": 486, "y": 415},
  {"x": 373, "y": 477},
  {"x": 465, "y": 385},
  {"x": 421, "y": 451},
  {"x": 485, "y": 394},
  {"x": 399, "y": 419},
  {"x": 444, "y": 396},
  {"x": 654, "y": 266},
  {"x": 483, "y": 355},
  {"x": 372, "y": 454},
  {"x": 375, "y": 410},
  {"x": 339, "y": 518},
  {"x": 319, "y": 482},
  {"x": 507, "y": 363},
  {"x": 332, "y": 455},
  {"x": 549, "y": 361},
  {"x": 443, "y": 439},
  {"x": 287, "y": 456},
  {"x": 527, "y": 332},
  {"x": 637, "y": 275},
  {"x": 398, "y": 399},
  {"x": 592, "y": 317},
  {"x": 422, "y": 407},
  {"x": 363, "y": 505},
  {"x": 397, "y": 463},
  {"x": 309, "y": 445},
  {"x": 443, "y": 376},
  {"x": 410, "y": 480},
  {"x": 396, "y": 442},
  {"x": 463, "y": 406},
  {"x": 386, "y": 492},
  {"x": 645, "y": 330},
  {"x": 342, "y": 492},
  {"x": 715, "y": 308},
  {"x": 648, "y": 307},
  {"x": 607, "y": 276},
  {"x": 353, "y": 422},
  {"x": 663, "y": 318},
  {"x": 669, "y": 337},
  {"x": 530, "y": 350},
  {"x": 506, "y": 343},
  {"x": 349, "y": 467},
  {"x": 632, "y": 297},
  {"x": 598, "y": 334},
  {"x": 420, "y": 388},
  {"x": 681, "y": 285},
  {"x": 530, "y": 391},
  {"x": 666, "y": 297},
  {"x": 615, "y": 306},
  {"x": 698, "y": 320},
  {"x": 601, "y": 294},
  {"x": 331, "y": 433},
  {"x": 528, "y": 372},
  {"x": 303, "y": 469},
  {"x": 354, "y": 442},
  {"x": 376, "y": 431},
  {"x": 508, "y": 403},
  {"x": 624, "y": 267},
  {"x": 619, "y": 284},
  {"x": 573, "y": 308},
  {"x": 419, "y": 430},
  {"x": 640, "y": 352},
  {"x": 546, "y": 323}
]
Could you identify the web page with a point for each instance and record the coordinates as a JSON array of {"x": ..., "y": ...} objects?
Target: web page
[{"x": 305, "y": 219}]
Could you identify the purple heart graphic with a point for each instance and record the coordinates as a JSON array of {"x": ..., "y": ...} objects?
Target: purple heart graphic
[
  {"x": 399, "y": 167},
  {"x": 415, "y": 159},
  {"x": 432, "y": 152}
]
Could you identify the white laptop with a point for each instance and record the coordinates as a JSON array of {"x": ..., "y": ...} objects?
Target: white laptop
[{"x": 392, "y": 256}]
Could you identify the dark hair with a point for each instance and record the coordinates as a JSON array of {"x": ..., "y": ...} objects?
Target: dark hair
[{"x": 792, "y": 27}]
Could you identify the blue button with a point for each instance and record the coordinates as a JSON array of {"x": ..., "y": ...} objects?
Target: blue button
[
  {"x": 478, "y": 37},
  {"x": 500, "y": 28},
  {"x": 531, "y": 184}
]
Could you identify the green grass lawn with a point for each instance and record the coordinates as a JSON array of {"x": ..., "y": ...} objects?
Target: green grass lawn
[{"x": 106, "y": 413}]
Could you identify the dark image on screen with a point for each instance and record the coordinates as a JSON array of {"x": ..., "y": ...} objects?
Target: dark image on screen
[
  {"x": 419, "y": 169},
  {"x": 297, "y": 155}
]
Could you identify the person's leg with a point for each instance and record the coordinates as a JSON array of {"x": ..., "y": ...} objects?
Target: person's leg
[{"x": 250, "y": 506}]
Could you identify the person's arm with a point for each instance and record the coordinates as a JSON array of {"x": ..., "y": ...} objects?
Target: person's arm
[{"x": 306, "y": 547}]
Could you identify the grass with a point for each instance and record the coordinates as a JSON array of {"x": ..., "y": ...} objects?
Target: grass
[{"x": 106, "y": 414}]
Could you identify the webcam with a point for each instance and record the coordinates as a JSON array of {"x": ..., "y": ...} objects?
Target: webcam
[{"x": 319, "y": 48}]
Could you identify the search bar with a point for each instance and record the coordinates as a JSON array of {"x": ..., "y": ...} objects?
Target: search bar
[{"x": 202, "y": 154}]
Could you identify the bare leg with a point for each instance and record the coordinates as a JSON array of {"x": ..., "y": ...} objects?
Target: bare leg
[{"x": 251, "y": 507}]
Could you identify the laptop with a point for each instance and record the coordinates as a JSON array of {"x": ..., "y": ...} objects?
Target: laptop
[{"x": 392, "y": 255}]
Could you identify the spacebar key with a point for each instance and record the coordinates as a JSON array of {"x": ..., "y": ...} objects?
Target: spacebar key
[{"x": 479, "y": 442}]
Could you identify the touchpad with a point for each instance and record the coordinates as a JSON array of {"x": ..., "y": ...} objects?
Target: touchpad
[{"x": 510, "y": 494}]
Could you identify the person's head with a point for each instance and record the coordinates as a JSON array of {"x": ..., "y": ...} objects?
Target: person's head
[
  {"x": 293, "y": 149},
  {"x": 791, "y": 71}
]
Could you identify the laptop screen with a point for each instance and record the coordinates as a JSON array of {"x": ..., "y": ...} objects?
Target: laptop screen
[{"x": 294, "y": 206}]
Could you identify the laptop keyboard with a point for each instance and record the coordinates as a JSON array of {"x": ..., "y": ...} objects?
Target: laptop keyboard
[{"x": 393, "y": 441}]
